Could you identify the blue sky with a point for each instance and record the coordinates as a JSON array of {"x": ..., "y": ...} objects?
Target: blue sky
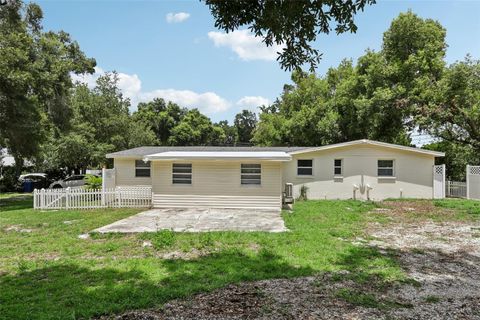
[{"x": 182, "y": 57}]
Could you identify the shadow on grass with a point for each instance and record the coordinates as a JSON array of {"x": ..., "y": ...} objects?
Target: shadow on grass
[
  {"x": 19, "y": 202},
  {"x": 72, "y": 291}
]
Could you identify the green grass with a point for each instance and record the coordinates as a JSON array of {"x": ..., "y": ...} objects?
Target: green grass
[
  {"x": 464, "y": 207},
  {"x": 49, "y": 273}
]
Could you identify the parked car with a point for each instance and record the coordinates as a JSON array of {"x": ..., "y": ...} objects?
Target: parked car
[
  {"x": 28, "y": 182},
  {"x": 76, "y": 180}
]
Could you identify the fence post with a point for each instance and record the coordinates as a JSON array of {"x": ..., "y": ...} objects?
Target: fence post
[
  {"x": 444, "y": 174},
  {"x": 67, "y": 198},
  {"x": 42, "y": 198},
  {"x": 468, "y": 184},
  {"x": 104, "y": 178},
  {"x": 118, "y": 193}
]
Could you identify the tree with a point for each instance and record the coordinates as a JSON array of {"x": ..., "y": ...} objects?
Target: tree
[
  {"x": 160, "y": 116},
  {"x": 414, "y": 49},
  {"x": 378, "y": 98},
  {"x": 196, "y": 129},
  {"x": 457, "y": 157},
  {"x": 231, "y": 133},
  {"x": 100, "y": 123},
  {"x": 34, "y": 78},
  {"x": 245, "y": 123},
  {"x": 454, "y": 113},
  {"x": 294, "y": 24}
]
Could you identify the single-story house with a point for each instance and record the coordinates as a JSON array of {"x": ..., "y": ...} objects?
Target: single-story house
[{"x": 257, "y": 177}]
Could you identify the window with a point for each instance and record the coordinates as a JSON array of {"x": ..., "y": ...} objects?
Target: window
[
  {"x": 251, "y": 173},
  {"x": 305, "y": 167},
  {"x": 182, "y": 173},
  {"x": 337, "y": 167},
  {"x": 142, "y": 168},
  {"x": 385, "y": 168}
]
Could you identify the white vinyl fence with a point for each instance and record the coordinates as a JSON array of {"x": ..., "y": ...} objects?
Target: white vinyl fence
[
  {"x": 439, "y": 181},
  {"x": 125, "y": 197},
  {"x": 456, "y": 189},
  {"x": 473, "y": 182}
]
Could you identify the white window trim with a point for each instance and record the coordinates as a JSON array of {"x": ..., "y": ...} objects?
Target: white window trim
[
  {"x": 393, "y": 176},
  {"x": 341, "y": 168},
  {"x": 181, "y": 184},
  {"x": 144, "y": 168},
  {"x": 251, "y": 185},
  {"x": 305, "y": 176}
]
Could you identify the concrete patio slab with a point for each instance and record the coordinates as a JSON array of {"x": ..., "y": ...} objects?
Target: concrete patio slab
[{"x": 199, "y": 220}]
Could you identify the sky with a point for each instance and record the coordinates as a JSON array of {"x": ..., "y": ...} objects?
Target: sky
[{"x": 171, "y": 49}]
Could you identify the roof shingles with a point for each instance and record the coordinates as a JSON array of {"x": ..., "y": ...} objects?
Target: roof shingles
[{"x": 144, "y": 151}]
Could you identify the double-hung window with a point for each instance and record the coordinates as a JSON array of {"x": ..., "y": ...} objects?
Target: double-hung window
[
  {"x": 251, "y": 174},
  {"x": 305, "y": 167},
  {"x": 182, "y": 173},
  {"x": 385, "y": 168},
  {"x": 142, "y": 168},
  {"x": 337, "y": 167}
]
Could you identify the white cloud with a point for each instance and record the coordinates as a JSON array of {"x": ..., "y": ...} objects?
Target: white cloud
[
  {"x": 177, "y": 17},
  {"x": 131, "y": 87},
  {"x": 245, "y": 45},
  {"x": 208, "y": 102},
  {"x": 252, "y": 102},
  {"x": 89, "y": 79}
]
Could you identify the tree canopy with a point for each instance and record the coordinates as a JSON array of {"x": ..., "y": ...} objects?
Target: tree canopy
[
  {"x": 377, "y": 98},
  {"x": 294, "y": 24},
  {"x": 35, "y": 69}
]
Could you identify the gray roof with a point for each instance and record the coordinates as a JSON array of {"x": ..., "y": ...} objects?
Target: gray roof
[
  {"x": 144, "y": 151},
  {"x": 141, "y": 152}
]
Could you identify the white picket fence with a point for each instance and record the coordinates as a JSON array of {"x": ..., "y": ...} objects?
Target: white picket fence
[
  {"x": 124, "y": 197},
  {"x": 456, "y": 189}
]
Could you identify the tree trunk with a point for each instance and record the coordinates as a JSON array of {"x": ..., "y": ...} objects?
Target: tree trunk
[{"x": 18, "y": 165}]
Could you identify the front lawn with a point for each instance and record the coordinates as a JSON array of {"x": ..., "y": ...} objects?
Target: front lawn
[{"x": 47, "y": 272}]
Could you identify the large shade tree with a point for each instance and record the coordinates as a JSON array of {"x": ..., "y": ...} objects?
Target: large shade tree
[
  {"x": 100, "y": 123},
  {"x": 245, "y": 123},
  {"x": 377, "y": 98},
  {"x": 454, "y": 113},
  {"x": 35, "y": 68}
]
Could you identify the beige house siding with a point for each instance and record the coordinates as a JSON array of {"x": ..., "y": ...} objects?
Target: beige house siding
[
  {"x": 413, "y": 174},
  {"x": 217, "y": 184},
  {"x": 125, "y": 173}
]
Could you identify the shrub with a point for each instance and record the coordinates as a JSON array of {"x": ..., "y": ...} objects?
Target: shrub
[
  {"x": 8, "y": 180},
  {"x": 93, "y": 182},
  {"x": 303, "y": 193}
]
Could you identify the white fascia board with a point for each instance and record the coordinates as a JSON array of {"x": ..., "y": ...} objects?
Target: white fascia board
[
  {"x": 220, "y": 155},
  {"x": 371, "y": 142}
]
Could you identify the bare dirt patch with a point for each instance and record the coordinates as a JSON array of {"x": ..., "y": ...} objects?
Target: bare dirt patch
[{"x": 442, "y": 256}]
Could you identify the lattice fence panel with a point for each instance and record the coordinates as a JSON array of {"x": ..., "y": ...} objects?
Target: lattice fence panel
[{"x": 473, "y": 182}]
